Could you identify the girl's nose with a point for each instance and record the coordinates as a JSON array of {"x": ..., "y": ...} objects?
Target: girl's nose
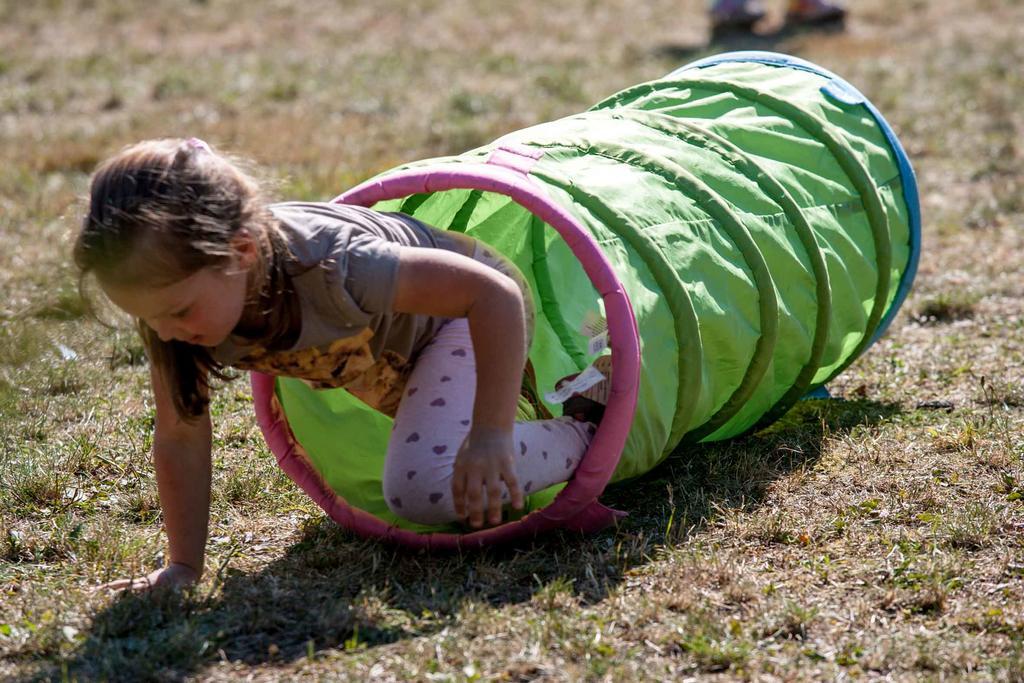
[{"x": 164, "y": 331}]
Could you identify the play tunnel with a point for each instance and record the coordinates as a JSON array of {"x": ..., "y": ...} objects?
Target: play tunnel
[{"x": 746, "y": 226}]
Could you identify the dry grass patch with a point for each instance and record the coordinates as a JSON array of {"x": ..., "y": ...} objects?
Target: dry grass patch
[{"x": 873, "y": 537}]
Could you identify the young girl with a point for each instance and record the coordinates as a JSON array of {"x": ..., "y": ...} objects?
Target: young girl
[{"x": 427, "y": 326}]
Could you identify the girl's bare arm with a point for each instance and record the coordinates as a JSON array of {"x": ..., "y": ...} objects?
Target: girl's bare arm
[
  {"x": 181, "y": 455},
  {"x": 443, "y": 283}
]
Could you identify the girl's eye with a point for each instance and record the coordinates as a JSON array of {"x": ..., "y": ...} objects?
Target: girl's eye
[{"x": 182, "y": 313}]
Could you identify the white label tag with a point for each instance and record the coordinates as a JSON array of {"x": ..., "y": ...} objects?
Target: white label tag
[
  {"x": 597, "y": 344},
  {"x": 579, "y": 384},
  {"x": 596, "y": 328}
]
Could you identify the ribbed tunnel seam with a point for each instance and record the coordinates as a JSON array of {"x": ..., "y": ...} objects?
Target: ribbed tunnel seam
[
  {"x": 413, "y": 202},
  {"x": 695, "y": 134},
  {"x": 461, "y": 219},
  {"x": 692, "y": 187},
  {"x": 548, "y": 299},
  {"x": 908, "y": 183},
  {"x": 823, "y": 132},
  {"x": 684, "y": 316}
]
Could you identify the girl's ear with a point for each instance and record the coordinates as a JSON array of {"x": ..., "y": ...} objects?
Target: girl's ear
[{"x": 245, "y": 247}]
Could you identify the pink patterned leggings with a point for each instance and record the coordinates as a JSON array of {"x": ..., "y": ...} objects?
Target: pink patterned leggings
[{"x": 433, "y": 420}]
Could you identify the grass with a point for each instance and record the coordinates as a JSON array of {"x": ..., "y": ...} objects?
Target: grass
[
  {"x": 873, "y": 537},
  {"x": 948, "y": 307}
]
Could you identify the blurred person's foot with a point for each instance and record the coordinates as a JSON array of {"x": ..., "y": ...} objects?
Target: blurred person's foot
[
  {"x": 735, "y": 15},
  {"x": 815, "y": 13},
  {"x": 588, "y": 405}
]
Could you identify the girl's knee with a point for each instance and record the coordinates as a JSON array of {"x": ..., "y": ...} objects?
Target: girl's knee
[
  {"x": 417, "y": 494},
  {"x": 427, "y": 505}
]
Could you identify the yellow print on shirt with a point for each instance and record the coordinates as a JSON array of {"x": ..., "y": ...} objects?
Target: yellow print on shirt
[{"x": 346, "y": 363}]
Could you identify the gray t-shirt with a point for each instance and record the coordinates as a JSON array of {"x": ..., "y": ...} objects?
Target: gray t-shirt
[{"x": 343, "y": 271}]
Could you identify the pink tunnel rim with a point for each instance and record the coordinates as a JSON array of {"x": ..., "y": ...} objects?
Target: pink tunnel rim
[{"x": 576, "y": 506}]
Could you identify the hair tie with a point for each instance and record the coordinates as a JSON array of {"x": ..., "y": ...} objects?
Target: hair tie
[{"x": 197, "y": 144}]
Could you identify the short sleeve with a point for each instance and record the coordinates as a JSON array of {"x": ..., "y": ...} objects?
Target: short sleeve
[{"x": 370, "y": 273}]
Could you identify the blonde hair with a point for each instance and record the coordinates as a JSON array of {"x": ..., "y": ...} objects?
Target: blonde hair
[{"x": 161, "y": 210}]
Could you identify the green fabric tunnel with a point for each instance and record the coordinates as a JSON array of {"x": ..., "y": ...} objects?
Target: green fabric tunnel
[{"x": 761, "y": 221}]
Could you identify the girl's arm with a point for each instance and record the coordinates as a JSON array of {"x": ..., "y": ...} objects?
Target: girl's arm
[
  {"x": 444, "y": 283},
  {"x": 181, "y": 455}
]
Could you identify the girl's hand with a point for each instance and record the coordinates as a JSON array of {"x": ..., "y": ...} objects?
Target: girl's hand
[
  {"x": 173, "y": 575},
  {"x": 483, "y": 463}
]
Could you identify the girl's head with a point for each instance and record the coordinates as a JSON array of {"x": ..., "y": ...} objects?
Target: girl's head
[
  {"x": 182, "y": 240},
  {"x": 162, "y": 210}
]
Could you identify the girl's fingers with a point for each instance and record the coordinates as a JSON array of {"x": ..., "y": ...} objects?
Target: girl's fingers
[
  {"x": 120, "y": 584},
  {"x": 459, "y": 493},
  {"x": 474, "y": 500},
  {"x": 477, "y": 490},
  {"x": 494, "y": 500},
  {"x": 515, "y": 494}
]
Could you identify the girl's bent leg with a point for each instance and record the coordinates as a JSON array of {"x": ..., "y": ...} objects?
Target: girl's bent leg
[{"x": 433, "y": 420}]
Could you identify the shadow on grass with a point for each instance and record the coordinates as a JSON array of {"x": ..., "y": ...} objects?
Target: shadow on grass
[
  {"x": 331, "y": 591},
  {"x": 736, "y": 40}
]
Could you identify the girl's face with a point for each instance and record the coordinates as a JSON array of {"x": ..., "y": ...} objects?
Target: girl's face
[{"x": 201, "y": 309}]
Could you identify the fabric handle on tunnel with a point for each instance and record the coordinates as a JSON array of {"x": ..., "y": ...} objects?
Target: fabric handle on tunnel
[{"x": 519, "y": 158}]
